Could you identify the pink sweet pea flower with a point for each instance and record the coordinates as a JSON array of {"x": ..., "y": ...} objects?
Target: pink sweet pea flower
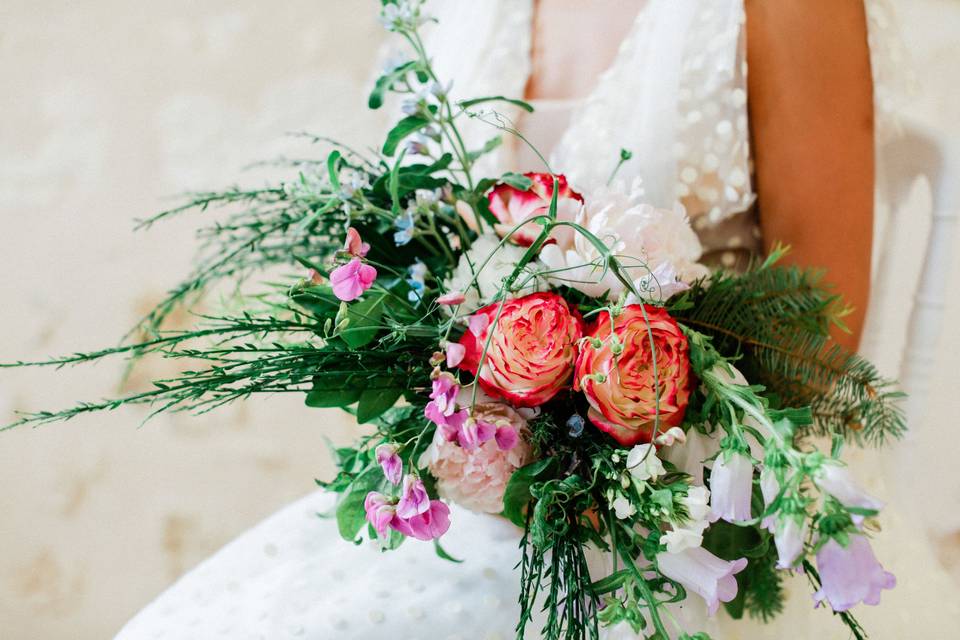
[
  {"x": 442, "y": 408},
  {"x": 349, "y": 281},
  {"x": 354, "y": 245},
  {"x": 414, "y": 499},
  {"x": 851, "y": 575},
  {"x": 507, "y": 437},
  {"x": 474, "y": 433},
  {"x": 478, "y": 323},
  {"x": 455, "y": 353},
  {"x": 703, "y": 573},
  {"x": 452, "y": 298},
  {"x": 731, "y": 484},
  {"x": 381, "y": 511},
  {"x": 389, "y": 461},
  {"x": 432, "y": 523}
]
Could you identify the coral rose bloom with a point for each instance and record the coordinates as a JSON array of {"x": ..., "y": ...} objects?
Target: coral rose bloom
[
  {"x": 624, "y": 404},
  {"x": 511, "y": 206},
  {"x": 532, "y": 349}
]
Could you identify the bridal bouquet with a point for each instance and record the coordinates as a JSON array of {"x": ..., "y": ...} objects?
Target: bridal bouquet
[{"x": 558, "y": 357}]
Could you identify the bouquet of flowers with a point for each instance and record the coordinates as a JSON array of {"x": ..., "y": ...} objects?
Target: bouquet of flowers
[{"x": 556, "y": 357}]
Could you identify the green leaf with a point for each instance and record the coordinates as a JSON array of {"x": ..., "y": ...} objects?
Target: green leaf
[
  {"x": 443, "y": 553},
  {"x": 325, "y": 398},
  {"x": 332, "y": 169},
  {"x": 364, "y": 316},
  {"x": 385, "y": 82},
  {"x": 374, "y": 402},
  {"x": 526, "y": 106},
  {"x": 729, "y": 541},
  {"x": 517, "y": 181},
  {"x": 517, "y": 496},
  {"x": 404, "y": 128},
  {"x": 351, "y": 515},
  {"x": 489, "y": 146}
]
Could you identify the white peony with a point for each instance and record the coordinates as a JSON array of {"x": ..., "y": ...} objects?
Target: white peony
[
  {"x": 656, "y": 247},
  {"x": 489, "y": 277}
]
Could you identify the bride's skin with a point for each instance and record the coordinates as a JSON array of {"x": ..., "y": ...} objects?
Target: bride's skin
[{"x": 811, "y": 113}]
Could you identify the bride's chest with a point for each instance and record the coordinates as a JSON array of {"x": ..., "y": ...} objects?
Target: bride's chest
[{"x": 570, "y": 47}]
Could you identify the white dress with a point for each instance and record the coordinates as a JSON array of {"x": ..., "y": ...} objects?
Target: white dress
[{"x": 678, "y": 87}]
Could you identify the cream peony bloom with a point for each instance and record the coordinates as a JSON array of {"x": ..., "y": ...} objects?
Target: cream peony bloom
[{"x": 657, "y": 247}]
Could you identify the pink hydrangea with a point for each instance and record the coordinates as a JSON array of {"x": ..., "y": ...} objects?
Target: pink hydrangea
[{"x": 477, "y": 477}]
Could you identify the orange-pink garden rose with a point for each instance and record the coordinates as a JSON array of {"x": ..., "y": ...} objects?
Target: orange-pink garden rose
[
  {"x": 621, "y": 389},
  {"x": 532, "y": 349}
]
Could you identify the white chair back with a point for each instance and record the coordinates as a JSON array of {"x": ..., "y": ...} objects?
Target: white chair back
[{"x": 915, "y": 250}]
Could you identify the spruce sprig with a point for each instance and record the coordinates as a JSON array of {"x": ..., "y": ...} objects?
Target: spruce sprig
[{"x": 778, "y": 320}]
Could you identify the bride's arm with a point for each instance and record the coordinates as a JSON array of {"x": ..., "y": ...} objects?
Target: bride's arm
[{"x": 811, "y": 110}]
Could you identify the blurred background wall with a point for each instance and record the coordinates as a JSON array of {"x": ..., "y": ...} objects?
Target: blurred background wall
[{"x": 108, "y": 108}]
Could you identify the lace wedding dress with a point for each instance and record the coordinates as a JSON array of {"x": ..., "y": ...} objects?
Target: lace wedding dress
[{"x": 676, "y": 97}]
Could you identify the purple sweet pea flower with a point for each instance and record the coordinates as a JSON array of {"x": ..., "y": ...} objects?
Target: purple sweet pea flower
[
  {"x": 389, "y": 461},
  {"x": 851, "y": 575},
  {"x": 703, "y": 573},
  {"x": 381, "y": 511},
  {"x": 429, "y": 525},
  {"x": 414, "y": 499},
  {"x": 731, "y": 484}
]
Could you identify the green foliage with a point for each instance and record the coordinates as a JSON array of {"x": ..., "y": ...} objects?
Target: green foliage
[
  {"x": 517, "y": 494},
  {"x": 363, "y": 321},
  {"x": 401, "y": 130},
  {"x": 777, "y": 320},
  {"x": 762, "y": 586},
  {"x": 374, "y": 401},
  {"x": 387, "y": 81}
]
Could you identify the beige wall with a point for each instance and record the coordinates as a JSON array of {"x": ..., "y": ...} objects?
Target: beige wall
[{"x": 106, "y": 108}]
